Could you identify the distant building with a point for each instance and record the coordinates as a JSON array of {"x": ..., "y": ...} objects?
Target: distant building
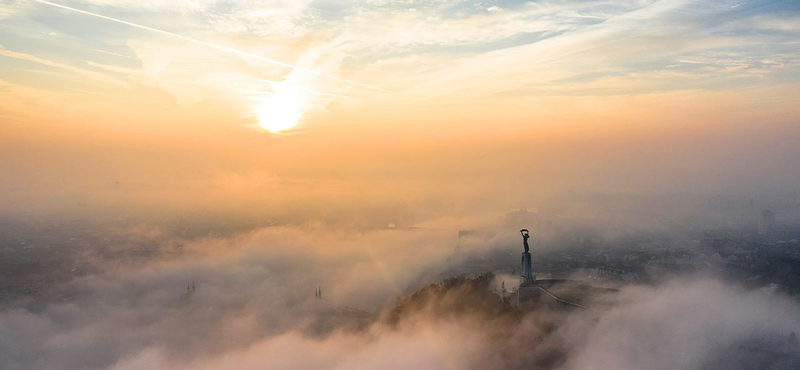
[
  {"x": 190, "y": 289},
  {"x": 767, "y": 221}
]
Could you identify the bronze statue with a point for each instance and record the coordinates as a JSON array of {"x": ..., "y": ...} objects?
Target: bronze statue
[{"x": 525, "y": 237}]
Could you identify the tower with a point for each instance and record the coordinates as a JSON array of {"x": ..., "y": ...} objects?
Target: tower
[
  {"x": 526, "y": 273},
  {"x": 767, "y": 222}
]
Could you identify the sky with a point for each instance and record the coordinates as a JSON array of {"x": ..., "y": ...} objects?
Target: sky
[{"x": 468, "y": 103}]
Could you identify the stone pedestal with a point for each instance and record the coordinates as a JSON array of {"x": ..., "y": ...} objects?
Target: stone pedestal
[
  {"x": 526, "y": 273},
  {"x": 528, "y": 296}
]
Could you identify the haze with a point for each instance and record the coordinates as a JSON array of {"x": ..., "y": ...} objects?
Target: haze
[{"x": 267, "y": 149}]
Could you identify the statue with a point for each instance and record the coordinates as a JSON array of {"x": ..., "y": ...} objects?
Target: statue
[
  {"x": 526, "y": 275},
  {"x": 525, "y": 237}
]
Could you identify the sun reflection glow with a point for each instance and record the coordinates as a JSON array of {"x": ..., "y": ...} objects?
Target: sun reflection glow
[{"x": 280, "y": 111}]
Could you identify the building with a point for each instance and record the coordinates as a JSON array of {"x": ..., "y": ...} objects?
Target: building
[{"x": 767, "y": 222}]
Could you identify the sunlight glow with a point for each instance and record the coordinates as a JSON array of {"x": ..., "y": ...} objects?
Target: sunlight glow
[{"x": 281, "y": 110}]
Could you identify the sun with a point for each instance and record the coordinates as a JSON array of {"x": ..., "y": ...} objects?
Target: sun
[{"x": 280, "y": 111}]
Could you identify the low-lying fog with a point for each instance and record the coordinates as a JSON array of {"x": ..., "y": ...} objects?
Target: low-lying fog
[{"x": 253, "y": 306}]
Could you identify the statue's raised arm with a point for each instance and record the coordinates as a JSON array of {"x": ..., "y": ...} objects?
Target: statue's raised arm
[{"x": 525, "y": 236}]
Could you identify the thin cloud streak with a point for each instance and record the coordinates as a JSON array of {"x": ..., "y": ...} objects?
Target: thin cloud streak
[
  {"x": 212, "y": 45},
  {"x": 32, "y": 58}
]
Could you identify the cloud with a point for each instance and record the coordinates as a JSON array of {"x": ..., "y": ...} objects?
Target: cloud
[
  {"x": 80, "y": 71},
  {"x": 248, "y": 288},
  {"x": 687, "y": 324},
  {"x": 438, "y": 52},
  {"x": 253, "y": 309}
]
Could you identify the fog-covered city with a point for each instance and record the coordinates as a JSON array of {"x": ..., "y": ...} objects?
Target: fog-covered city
[{"x": 313, "y": 184}]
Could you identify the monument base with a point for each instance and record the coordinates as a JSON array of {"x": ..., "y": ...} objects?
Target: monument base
[
  {"x": 526, "y": 273},
  {"x": 527, "y": 296}
]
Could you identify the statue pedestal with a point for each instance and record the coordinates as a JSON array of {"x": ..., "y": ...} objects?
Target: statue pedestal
[{"x": 526, "y": 273}]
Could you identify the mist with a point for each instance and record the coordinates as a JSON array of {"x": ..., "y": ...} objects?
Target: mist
[
  {"x": 550, "y": 185},
  {"x": 253, "y": 307}
]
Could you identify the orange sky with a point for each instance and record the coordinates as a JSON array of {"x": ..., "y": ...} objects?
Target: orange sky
[{"x": 150, "y": 103}]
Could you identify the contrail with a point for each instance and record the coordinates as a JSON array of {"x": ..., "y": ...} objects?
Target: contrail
[{"x": 210, "y": 45}]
